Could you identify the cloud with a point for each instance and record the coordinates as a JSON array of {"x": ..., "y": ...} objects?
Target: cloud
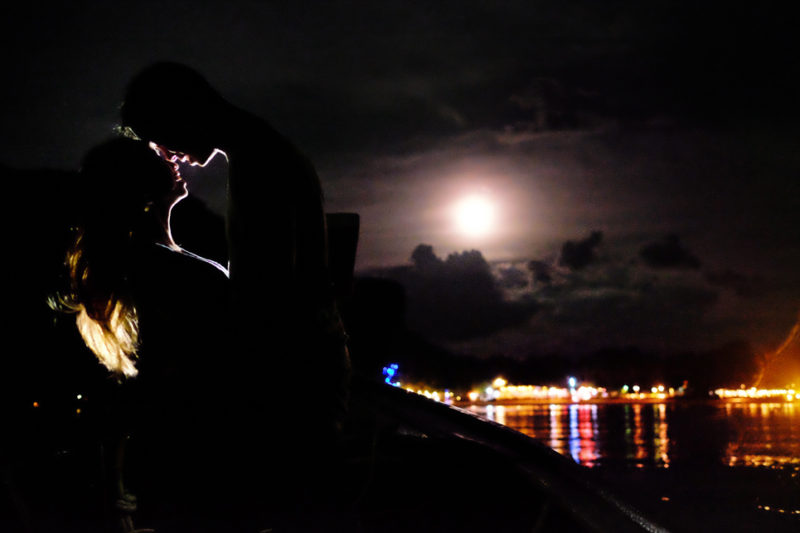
[
  {"x": 616, "y": 304},
  {"x": 668, "y": 253},
  {"x": 541, "y": 272},
  {"x": 425, "y": 259},
  {"x": 525, "y": 308},
  {"x": 577, "y": 255},
  {"x": 513, "y": 278},
  {"x": 552, "y": 105},
  {"x": 457, "y": 298},
  {"x": 744, "y": 286}
]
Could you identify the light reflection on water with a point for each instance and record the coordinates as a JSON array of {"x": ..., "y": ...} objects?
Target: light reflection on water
[
  {"x": 770, "y": 435},
  {"x": 661, "y": 434}
]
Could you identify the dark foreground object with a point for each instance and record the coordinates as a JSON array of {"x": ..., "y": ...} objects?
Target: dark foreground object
[
  {"x": 407, "y": 465},
  {"x": 448, "y": 470},
  {"x": 710, "y": 497}
]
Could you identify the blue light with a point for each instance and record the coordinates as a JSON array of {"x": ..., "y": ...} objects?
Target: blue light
[
  {"x": 572, "y": 382},
  {"x": 390, "y": 371}
]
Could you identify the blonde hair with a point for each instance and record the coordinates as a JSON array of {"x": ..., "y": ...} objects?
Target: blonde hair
[
  {"x": 118, "y": 182},
  {"x": 106, "y": 320}
]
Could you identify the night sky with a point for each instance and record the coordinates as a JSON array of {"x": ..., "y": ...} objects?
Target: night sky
[{"x": 639, "y": 159}]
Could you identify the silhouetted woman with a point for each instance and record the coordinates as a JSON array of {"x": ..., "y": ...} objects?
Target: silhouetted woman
[{"x": 155, "y": 316}]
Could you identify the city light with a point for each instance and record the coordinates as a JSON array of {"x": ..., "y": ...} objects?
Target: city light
[
  {"x": 753, "y": 393},
  {"x": 501, "y": 391}
]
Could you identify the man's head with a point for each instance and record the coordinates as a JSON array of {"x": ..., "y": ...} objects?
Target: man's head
[{"x": 173, "y": 106}]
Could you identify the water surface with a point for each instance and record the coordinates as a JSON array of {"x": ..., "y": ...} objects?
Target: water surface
[
  {"x": 662, "y": 434},
  {"x": 689, "y": 466}
]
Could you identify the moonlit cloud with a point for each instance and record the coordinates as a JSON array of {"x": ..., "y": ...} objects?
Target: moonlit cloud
[
  {"x": 455, "y": 298},
  {"x": 612, "y": 304}
]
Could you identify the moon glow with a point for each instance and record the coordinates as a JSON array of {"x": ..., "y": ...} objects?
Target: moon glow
[{"x": 474, "y": 216}]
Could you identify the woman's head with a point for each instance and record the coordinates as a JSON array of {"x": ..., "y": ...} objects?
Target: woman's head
[
  {"x": 124, "y": 177},
  {"x": 126, "y": 191}
]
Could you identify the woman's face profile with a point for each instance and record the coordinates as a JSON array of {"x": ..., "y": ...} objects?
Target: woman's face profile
[
  {"x": 178, "y": 188},
  {"x": 171, "y": 187}
]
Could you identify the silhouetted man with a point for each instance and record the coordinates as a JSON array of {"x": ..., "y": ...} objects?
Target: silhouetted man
[{"x": 288, "y": 353}]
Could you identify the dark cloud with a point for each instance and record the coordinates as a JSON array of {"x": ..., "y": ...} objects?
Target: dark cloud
[
  {"x": 541, "y": 272},
  {"x": 597, "y": 308},
  {"x": 425, "y": 259},
  {"x": 457, "y": 298},
  {"x": 668, "y": 253},
  {"x": 552, "y": 105},
  {"x": 577, "y": 255},
  {"x": 513, "y": 278},
  {"x": 476, "y": 307},
  {"x": 621, "y": 304},
  {"x": 742, "y": 285},
  {"x": 376, "y": 74}
]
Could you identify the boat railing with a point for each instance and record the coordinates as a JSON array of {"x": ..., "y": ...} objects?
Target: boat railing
[{"x": 566, "y": 483}]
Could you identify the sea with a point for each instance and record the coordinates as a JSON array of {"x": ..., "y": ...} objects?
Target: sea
[{"x": 688, "y": 465}]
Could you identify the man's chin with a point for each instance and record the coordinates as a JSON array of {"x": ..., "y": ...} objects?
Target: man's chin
[{"x": 195, "y": 163}]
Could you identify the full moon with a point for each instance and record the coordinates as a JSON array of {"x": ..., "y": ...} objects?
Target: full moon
[{"x": 474, "y": 215}]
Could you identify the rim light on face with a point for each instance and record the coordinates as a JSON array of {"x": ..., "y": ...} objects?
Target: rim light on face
[{"x": 180, "y": 157}]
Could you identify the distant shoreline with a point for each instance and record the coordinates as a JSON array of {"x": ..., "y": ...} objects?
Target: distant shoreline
[{"x": 613, "y": 401}]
